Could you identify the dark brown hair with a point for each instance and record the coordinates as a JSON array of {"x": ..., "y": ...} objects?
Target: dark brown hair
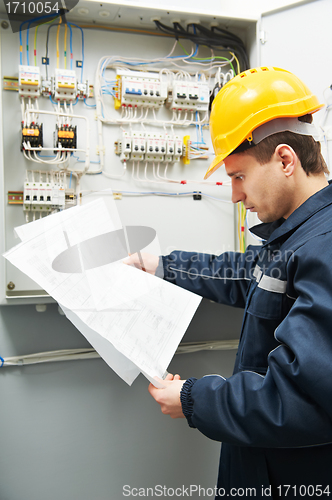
[{"x": 306, "y": 148}]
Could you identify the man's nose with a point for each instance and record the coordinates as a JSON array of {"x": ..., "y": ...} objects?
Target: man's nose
[{"x": 237, "y": 194}]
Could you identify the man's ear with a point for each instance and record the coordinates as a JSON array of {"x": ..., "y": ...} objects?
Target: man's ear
[{"x": 288, "y": 158}]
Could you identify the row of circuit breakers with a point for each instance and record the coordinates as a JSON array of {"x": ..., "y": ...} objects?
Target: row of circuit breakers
[
  {"x": 139, "y": 146},
  {"x": 135, "y": 88},
  {"x": 47, "y": 191},
  {"x": 132, "y": 88}
]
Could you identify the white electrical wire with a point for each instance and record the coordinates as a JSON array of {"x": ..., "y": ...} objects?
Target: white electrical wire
[
  {"x": 117, "y": 62},
  {"x": 155, "y": 193},
  {"x": 90, "y": 353},
  {"x": 163, "y": 179}
]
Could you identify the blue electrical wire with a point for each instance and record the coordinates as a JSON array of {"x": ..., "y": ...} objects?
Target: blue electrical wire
[
  {"x": 27, "y": 38},
  {"x": 108, "y": 88},
  {"x": 21, "y": 44},
  {"x": 202, "y": 138},
  {"x": 149, "y": 62},
  {"x": 199, "y": 129},
  {"x": 89, "y": 105},
  {"x": 83, "y": 161},
  {"x": 53, "y": 102},
  {"x": 46, "y": 156},
  {"x": 2, "y": 362},
  {"x": 71, "y": 46},
  {"x": 109, "y": 93},
  {"x": 76, "y": 26}
]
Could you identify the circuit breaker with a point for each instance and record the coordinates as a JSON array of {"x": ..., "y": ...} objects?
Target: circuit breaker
[
  {"x": 29, "y": 81},
  {"x": 141, "y": 89}
]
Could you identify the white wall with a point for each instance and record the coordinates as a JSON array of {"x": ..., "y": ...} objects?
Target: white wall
[
  {"x": 253, "y": 7},
  {"x": 247, "y": 9}
]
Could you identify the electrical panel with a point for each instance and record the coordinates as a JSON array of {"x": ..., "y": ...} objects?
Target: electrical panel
[{"x": 93, "y": 115}]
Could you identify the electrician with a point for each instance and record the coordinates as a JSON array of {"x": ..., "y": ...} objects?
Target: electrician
[{"x": 274, "y": 414}]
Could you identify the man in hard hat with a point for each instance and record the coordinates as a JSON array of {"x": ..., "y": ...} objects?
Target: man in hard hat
[{"x": 274, "y": 414}]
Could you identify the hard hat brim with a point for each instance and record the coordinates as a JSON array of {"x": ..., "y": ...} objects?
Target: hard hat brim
[{"x": 217, "y": 162}]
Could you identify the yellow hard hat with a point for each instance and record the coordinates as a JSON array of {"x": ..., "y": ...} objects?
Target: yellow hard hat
[{"x": 250, "y": 99}]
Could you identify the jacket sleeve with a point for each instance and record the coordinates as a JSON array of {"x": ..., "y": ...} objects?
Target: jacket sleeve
[
  {"x": 224, "y": 278},
  {"x": 291, "y": 406}
]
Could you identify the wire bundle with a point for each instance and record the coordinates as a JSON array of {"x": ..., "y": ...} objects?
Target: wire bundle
[
  {"x": 242, "y": 212},
  {"x": 43, "y": 20},
  {"x": 215, "y": 38},
  {"x": 90, "y": 353}
]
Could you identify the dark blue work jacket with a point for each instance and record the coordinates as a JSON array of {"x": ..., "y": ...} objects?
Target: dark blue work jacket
[{"x": 274, "y": 414}]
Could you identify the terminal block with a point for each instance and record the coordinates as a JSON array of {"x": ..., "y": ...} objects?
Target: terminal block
[
  {"x": 136, "y": 88},
  {"x": 29, "y": 82},
  {"x": 186, "y": 149},
  {"x": 46, "y": 87},
  {"x": 188, "y": 96},
  {"x": 70, "y": 198},
  {"x": 65, "y": 86},
  {"x": 32, "y": 135},
  {"x": 65, "y": 137},
  {"x": 123, "y": 146},
  {"x": 83, "y": 90}
]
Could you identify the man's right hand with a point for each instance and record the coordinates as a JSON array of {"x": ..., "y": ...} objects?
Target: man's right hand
[{"x": 144, "y": 261}]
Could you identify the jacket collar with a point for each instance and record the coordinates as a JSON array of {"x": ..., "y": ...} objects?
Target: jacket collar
[{"x": 271, "y": 231}]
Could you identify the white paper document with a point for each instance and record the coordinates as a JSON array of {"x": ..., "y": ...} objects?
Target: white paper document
[{"x": 134, "y": 320}]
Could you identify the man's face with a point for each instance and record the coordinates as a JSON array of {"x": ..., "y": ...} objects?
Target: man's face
[{"x": 261, "y": 188}]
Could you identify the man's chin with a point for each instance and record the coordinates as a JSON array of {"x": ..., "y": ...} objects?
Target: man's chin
[{"x": 267, "y": 218}]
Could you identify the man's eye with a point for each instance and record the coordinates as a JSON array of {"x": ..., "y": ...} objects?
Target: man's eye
[{"x": 239, "y": 177}]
